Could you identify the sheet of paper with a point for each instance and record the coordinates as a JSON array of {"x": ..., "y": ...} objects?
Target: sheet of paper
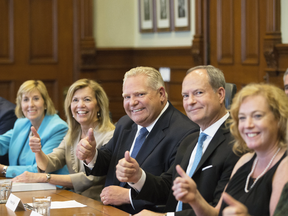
[
  {"x": 64, "y": 204},
  {"x": 33, "y": 213}
]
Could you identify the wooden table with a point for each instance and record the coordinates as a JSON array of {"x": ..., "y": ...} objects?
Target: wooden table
[{"x": 63, "y": 195}]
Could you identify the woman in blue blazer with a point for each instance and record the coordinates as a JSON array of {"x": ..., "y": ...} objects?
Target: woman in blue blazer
[
  {"x": 86, "y": 109},
  {"x": 34, "y": 108}
]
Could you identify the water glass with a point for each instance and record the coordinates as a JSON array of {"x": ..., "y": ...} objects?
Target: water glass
[
  {"x": 42, "y": 205},
  {"x": 5, "y": 190}
]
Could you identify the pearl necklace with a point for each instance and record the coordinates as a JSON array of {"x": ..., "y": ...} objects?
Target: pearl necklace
[{"x": 253, "y": 168}]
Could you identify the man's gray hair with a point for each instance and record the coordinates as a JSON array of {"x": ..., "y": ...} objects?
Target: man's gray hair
[
  {"x": 216, "y": 76},
  {"x": 154, "y": 78}
]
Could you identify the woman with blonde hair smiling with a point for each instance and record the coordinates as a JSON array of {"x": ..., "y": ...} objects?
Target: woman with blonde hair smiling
[
  {"x": 87, "y": 112},
  {"x": 259, "y": 124},
  {"x": 37, "y": 119}
]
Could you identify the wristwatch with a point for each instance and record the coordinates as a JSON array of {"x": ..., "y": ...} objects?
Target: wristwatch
[
  {"x": 4, "y": 171},
  {"x": 48, "y": 177}
]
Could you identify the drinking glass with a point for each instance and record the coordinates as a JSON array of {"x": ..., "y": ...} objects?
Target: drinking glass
[
  {"x": 5, "y": 190},
  {"x": 42, "y": 205}
]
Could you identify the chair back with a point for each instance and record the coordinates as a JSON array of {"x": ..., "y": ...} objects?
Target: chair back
[{"x": 230, "y": 91}]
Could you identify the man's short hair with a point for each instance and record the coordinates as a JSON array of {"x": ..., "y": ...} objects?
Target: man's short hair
[
  {"x": 154, "y": 78},
  {"x": 216, "y": 76}
]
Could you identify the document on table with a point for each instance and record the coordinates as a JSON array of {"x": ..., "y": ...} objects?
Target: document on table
[
  {"x": 21, "y": 186},
  {"x": 64, "y": 204}
]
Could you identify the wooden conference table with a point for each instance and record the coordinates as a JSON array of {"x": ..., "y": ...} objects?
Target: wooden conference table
[{"x": 63, "y": 195}]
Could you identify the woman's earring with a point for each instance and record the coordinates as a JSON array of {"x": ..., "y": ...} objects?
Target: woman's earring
[{"x": 98, "y": 114}]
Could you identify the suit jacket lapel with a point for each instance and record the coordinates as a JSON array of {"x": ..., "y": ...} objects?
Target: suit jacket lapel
[
  {"x": 186, "y": 158},
  {"x": 149, "y": 145},
  {"x": 125, "y": 146},
  {"x": 214, "y": 143},
  {"x": 155, "y": 136},
  {"x": 128, "y": 136}
]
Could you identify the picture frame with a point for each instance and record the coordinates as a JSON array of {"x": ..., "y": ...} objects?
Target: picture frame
[
  {"x": 146, "y": 16},
  {"x": 181, "y": 9},
  {"x": 163, "y": 15}
]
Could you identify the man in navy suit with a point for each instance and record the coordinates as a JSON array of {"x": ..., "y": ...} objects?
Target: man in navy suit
[
  {"x": 204, "y": 102},
  {"x": 146, "y": 105},
  {"x": 7, "y": 119}
]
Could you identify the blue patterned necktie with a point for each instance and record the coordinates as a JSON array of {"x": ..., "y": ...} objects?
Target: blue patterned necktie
[
  {"x": 197, "y": 159},
  {"x": 139, "y": 141},
  {"x": 137, "y": 146}
]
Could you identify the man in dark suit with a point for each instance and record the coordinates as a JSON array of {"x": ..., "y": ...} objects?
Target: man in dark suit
[
  {"x": 203, "y": 99},
  {"x": 147, "y": 106},
  {"x": 7, "y": 119}
]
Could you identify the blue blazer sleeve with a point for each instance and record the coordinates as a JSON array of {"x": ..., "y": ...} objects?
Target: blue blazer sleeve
[
  {"x": 5, "y": 141},
  {"x": 51, "y": 131}
]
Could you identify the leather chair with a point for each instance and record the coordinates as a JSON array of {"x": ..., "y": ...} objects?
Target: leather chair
[{"x": 230, "y": 90}]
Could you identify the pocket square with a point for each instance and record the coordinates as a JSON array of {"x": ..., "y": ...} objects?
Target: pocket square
[{"x": 207, "y": 167}]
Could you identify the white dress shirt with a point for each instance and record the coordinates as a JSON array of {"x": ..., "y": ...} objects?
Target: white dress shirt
[
  {"x": 149, "y": 128},
  {"x": 210, "y": 131}
]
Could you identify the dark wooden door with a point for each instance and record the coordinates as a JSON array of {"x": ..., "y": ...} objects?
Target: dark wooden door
[
  {"x": 36, "y": 42},
  {"x": 236, "y": 32}
]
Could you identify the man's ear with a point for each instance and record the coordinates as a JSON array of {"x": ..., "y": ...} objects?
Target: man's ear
[
  {"x": 162, "y": 93},
  {"x": 221, "y": 94}
]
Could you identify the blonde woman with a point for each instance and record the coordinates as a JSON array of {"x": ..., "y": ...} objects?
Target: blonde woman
[
  {"x": 37, "y": 118},
  {"x": 87, "y": 112}
]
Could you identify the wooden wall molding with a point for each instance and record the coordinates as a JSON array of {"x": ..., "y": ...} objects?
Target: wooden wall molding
[
  {"x": 197, "y": 49},
  {"x": 275, "y": 76},
  {"x": 200, "y": 42},
  {"x": 84, "y": 39},
  {"x": 250, "y": 32},
  {"x": 6, "y": 32},
  {"x": 225, "y": 39},
  {"x": 273, "y": 34},
  {"x": 43, "y": 24}
]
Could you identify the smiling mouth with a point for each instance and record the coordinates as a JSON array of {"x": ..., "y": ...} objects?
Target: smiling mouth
[
  {"x": 82, "y": 112},
  {"x": 195, "y": 109},
  {"x": 250, "y": 135},
  {"x": 32, "y": 111},
  {"x": 137, "y": 110}
]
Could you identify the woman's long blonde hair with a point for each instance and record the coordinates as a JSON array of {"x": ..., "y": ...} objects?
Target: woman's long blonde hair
[{"x": 105, "y": 123}]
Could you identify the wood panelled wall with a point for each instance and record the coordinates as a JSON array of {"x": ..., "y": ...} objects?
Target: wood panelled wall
[
  {"x": 34, "y": 45},
  {"x": 240, "y": 37},
  {"x": 45, "y": 40},
  {"x": 111, "y": 65},
  {"x": 52, "y": 40}
]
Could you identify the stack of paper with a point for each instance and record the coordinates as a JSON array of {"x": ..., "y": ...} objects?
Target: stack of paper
[{"x": 19, "y": 186}]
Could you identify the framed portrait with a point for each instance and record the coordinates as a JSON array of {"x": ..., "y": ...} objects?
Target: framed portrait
[
  {"x": 181, "y": 15},
  {"x": 146, "y": 15},
  {"x": 163, "y": 15}
]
